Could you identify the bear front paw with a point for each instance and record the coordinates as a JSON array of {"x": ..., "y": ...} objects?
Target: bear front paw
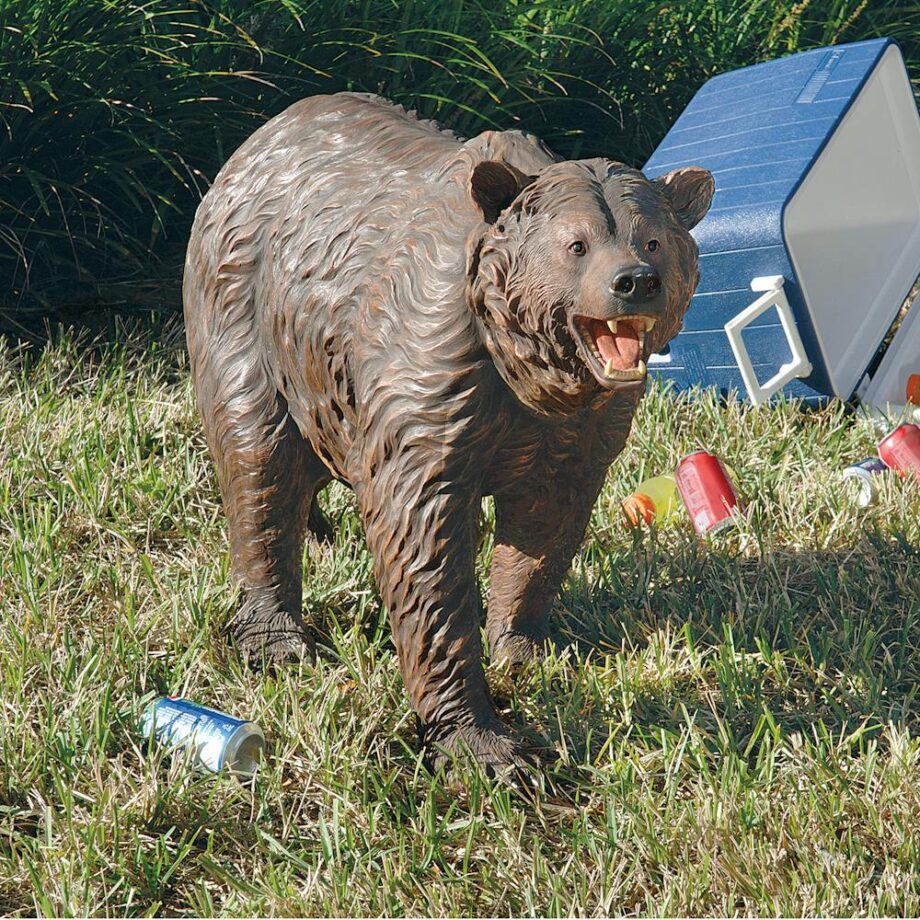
[
  {"x": 499, "y": 752},
  {"x": 271, "y": 640},
  {"x": 516, "y": 648}
]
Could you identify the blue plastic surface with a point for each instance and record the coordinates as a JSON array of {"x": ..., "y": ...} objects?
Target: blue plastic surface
[{"x": 759, "y": 130}]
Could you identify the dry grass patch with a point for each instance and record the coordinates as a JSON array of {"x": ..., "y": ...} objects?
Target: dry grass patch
[{"x": 741, "y": 717}]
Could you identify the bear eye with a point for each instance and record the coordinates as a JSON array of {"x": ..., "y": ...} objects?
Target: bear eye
[
  {"x": 578, "y": 247},
  {"x": 653, "y": 245}
]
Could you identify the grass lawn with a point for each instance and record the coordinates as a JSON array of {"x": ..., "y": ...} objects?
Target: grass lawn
[{"x": 744, "y": 714}]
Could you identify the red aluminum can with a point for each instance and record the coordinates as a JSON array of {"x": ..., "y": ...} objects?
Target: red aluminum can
[
  {"x": 900, "y": 450},
  {"x": 707, "y": 491}
]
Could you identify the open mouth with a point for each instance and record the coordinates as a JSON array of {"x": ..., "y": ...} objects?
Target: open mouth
[{"x": 615, "y": 348}]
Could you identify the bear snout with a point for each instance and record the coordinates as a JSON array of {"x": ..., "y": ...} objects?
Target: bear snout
[{"x": 637, "y": 284}]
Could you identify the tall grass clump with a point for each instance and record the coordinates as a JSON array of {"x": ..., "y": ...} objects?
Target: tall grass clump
[{"x": 115, "y": 115}]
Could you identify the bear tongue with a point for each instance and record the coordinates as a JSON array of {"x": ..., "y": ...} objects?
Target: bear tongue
[{"x": 623, "y": 349}]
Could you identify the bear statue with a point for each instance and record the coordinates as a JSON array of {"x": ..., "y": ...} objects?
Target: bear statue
[{"x": 371, "y": 299}]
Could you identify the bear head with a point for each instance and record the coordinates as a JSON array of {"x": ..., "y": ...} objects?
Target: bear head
[{"x": 581, "y": 272}]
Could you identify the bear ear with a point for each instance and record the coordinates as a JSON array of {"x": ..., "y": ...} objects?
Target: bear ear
[
  {"x": 690, "y": 192},
  {"x": 494, "y": 185}
]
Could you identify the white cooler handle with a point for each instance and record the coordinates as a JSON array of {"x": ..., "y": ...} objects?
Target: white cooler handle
[{"x": 799, "y": 366}]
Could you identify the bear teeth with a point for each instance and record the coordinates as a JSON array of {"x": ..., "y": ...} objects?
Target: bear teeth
[
  {"x": 636, "y": 373},
  {"x": 647, "y": 323}
]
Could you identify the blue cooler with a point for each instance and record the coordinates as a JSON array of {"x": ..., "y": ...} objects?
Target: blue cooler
[{"x": 812, "y": 243}]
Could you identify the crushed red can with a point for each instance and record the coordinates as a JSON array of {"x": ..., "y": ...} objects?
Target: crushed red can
[
  {"x": 707, "y": 492},
  {"x": 900, "y": 450}
]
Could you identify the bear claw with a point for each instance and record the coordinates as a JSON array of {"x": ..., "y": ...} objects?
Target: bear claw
[
  {"x": 498, "y": 752},
  {"x": 265, "y": 645},
  {"x": 517, "y": 648},
  {"x": 277, "y": 653}
]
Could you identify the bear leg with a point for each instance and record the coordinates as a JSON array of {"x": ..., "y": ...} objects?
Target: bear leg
[
  {"x": 268, "y": 475},
  {"x": 421, "y": 533},
  {"x": 270, "y": 500},
  {"x": 536, "y": 535}
]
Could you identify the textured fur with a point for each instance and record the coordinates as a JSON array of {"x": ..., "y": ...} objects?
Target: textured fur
[{"x": 367, "y": 298}]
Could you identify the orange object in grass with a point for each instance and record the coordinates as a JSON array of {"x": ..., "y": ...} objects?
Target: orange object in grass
[
  {"x": 913, "y": 389},
  {"x": 639, "y": 507},
  {"x": 655, "y": 499}
]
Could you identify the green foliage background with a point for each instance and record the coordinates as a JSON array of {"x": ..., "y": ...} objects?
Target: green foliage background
[{"x": 116, "y": 114}]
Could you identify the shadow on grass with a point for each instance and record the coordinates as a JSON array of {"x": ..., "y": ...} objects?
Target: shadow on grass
[{"x": 799, "y": 642}]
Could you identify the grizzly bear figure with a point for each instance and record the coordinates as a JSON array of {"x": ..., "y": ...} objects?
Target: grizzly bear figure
[{"x": 369, "y": 298}]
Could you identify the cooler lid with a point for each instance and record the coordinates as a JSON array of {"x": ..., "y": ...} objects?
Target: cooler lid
[{"x": 852, "y": 225}]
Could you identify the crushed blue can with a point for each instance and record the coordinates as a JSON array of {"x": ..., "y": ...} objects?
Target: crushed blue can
[
  {"x": 864, "y": 473},
  {"x": 215, "y": 740}
]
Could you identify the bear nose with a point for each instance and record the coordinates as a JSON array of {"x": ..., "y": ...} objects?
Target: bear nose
[{"x": 637, "y": 284}]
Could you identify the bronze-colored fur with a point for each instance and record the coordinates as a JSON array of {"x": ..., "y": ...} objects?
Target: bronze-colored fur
[{"x": 369, "y": 299}]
